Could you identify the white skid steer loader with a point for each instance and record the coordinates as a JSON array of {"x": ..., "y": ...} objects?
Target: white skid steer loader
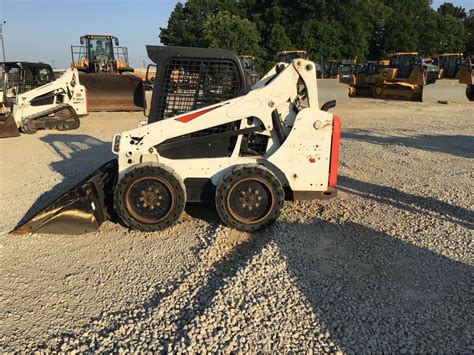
[
  {"x": 27, "y": 107},
  {"x": 246, "y": 155}
]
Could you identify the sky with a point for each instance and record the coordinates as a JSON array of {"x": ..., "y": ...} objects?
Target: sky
[{"x": 44, "y": 30}]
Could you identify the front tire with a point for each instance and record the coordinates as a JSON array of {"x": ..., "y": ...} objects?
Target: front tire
[
  {"x": 249, "y": 198},
  {"x": 150, "y": 197}
]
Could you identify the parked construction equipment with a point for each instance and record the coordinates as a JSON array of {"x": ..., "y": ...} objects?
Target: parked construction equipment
[
  {"x": 105, "y": 72},
  {"x": 365, "y": 76},
  {"x": 210, "y": 138},
  {"x": 404, "y": 78},
  {"x": 32, "y": 99},
  {"x": 328, "y": 89},
  {"x": 288, "y": 56},
  {"x": 456, "y": 79},
  {"x": 341, "y": 70},
  {"x": 248, "y": 63},
  {"x": 147, "y": 75}
]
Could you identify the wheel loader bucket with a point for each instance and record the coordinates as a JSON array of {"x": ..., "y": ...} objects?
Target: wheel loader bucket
[
  {"x": 8, "y": 127},
  {"x": 445, "y": 91},
  {"x": 80, "y": 210},
  {"x": 332, "y": 89},
  {"x": 113, "y": 92}
]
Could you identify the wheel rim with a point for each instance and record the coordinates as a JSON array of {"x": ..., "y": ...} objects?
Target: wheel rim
[
  {"x": 149, "y": 199},
  {"x": 250, "y": 200}
]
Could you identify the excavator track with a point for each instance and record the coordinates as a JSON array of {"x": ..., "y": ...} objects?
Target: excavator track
[{"x": 62, "y": 118}]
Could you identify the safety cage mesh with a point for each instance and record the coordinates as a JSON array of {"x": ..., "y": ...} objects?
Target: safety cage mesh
[{"x": 189, "y": 84}]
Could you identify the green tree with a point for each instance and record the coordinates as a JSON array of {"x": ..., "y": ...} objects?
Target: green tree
[
  {"x": 335, "y": 29},
  {"x": 278, "y": 40},
  {"x": 469, "y": 28},
  {"x": 232, "y": 32},
  {"x": 440, "y": 34},
  {"x": 322, "y": 38},
  {"x": 455, "y": 11}
]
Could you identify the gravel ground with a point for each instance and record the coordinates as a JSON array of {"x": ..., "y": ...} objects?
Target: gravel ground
[{"x": 387, "y": 266}]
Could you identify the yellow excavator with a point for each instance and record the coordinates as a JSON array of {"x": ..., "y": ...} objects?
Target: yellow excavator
[
  {"x": 404, "y": 77},
  {"x": 106, "y": 74},
  {"x": 456, "y": 79}
]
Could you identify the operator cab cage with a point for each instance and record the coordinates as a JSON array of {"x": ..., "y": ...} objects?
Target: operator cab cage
[
  {"x": 191, "y": 78},
  {"x": 95, "y": 45},
  {"x": 406, "y": 62},
  {"x": 20, "y": 77},
  {"x": 449, "y": 62}
]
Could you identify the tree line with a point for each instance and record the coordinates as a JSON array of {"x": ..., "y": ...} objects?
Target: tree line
[{"x": 329, "y": 29}]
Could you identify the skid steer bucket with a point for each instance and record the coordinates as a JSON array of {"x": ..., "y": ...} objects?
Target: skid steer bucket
[
  {"x": 332, "y": 89},
  {"x": 8, "y": 127},
  {"x": 113, "y": 92},
  {"x": 445, "y": 91},
  {"x": 80, "y": 210}
]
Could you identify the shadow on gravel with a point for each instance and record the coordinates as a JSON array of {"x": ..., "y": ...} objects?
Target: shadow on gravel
[
  {"x": 458, "y": 145},
  {"x": 203, "y": 211},
  {"x": 379, "y": 294},
  {"x": 78, "y": 155},
  {"x": 405, "y": 201},
  {"x": 372, "y": 292}
]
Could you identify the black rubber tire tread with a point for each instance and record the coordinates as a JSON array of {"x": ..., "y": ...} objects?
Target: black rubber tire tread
[
  {"x": 150, "y": 169},
  {"x": 234, "y": 176},
  {"x": 57, "y": 111}
]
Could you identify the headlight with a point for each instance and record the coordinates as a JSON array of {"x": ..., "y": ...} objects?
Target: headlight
[{"x": 116, "y": 143}]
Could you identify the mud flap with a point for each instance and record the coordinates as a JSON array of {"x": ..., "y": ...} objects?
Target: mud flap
[
  {"x": 332, "y": 89},
  {"x": 445, "y": 90},
  {"x": 113, "y": 92},
  {"x": 8, "y": 127},
  {"x": 80, "y": 210}
]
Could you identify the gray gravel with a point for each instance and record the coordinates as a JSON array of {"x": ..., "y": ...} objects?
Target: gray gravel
[{"x": 387, "y": 266}]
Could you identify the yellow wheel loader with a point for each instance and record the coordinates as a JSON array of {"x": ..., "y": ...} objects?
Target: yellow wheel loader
[
  {"x": 32, "y": 99},
  {"x": 456, "y": 79},
  {"x": 105, "y": 72},
  {"x": 404, "y": 78},
  {"x": 209, "y": 138}
]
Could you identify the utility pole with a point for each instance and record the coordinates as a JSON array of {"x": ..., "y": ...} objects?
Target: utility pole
[{"x": 1, "y": 36}]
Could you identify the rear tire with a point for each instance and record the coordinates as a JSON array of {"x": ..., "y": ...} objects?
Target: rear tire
[
  {"x": 249, "y": 198},
  {"x": 150, "y": 197}
]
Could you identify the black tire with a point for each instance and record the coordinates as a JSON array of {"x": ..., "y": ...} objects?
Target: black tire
[
  {"x": 149, "y": 197},
  {"x": 249, "y": 198}
]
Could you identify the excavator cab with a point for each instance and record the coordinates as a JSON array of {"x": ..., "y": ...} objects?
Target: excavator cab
[{"x": 106, "y": 74}]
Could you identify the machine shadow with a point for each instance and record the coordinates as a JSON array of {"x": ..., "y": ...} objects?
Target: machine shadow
[
  {"x": 78, "y": 156},
  {"x": 457, "y": 145},
  {"x": 369, "y": 290},
  {"x": 377, "y": 293},
  {"x": 406, "y": 201}
]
